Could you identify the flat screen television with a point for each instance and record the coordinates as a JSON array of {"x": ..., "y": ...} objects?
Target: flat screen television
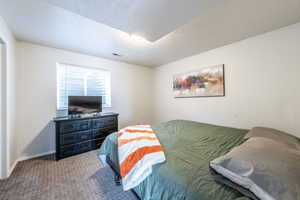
[{"x": 84, "y": 104}]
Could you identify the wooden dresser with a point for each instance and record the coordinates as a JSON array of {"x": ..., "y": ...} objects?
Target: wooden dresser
[{"x": 78, "y": 135}]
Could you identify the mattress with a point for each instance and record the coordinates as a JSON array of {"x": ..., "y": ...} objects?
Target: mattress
[{"x": 189, "y": 147}]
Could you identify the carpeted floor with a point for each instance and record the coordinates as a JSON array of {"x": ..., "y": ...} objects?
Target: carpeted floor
[{"x": 80, "y": 177}]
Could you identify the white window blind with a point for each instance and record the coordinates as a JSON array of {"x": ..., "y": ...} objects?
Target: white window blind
[{"x": 82, "y": 81}]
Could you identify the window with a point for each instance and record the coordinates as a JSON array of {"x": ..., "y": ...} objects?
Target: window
[{"x": 82, "y": 81}]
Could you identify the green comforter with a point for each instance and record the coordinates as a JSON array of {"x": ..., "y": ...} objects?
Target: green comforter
[{"x": 189, "y": 147}]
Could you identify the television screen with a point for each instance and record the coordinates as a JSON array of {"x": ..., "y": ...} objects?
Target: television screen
[{"x": 84, "y": 104}]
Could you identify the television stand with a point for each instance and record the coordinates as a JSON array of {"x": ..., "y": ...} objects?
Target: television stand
[{"x": 75, "y": 135}]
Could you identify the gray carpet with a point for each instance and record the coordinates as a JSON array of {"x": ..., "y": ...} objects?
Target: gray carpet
[{"x": 75, "y": 178}]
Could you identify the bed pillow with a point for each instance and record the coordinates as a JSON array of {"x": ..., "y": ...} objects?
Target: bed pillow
[
  {"x": 225, "y": 181},
  {"x": 279, "y": 136},
  {"x": 267, "y": 168}
]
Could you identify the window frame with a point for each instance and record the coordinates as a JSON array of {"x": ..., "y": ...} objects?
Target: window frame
[{"x": 107, "y": 84}]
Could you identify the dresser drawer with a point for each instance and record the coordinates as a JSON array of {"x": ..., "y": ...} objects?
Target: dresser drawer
[
  {"x": 103, "y": 122},
  {"x": 72, "y": 126},
  {"x": 68, "y": 139},
  {"x": 76, "y": 137},
  {"x": 86, "y": 135},
  {"x": 75, "y": 149},
  {"x": 68, "y": 150},
  {"x": 84, "y": 146},
  {"x": 96, "y": 144},
  {"x": 103, "y": 132}
]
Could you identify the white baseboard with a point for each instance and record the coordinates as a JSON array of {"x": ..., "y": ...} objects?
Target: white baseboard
[
  {"x": 12, "y": 168},
  {"x": 27, "y": 158},
  {"x": 35, "y": 156}
]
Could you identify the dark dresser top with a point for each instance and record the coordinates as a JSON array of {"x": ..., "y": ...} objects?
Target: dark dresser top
[{"x": 68, "y": 118}]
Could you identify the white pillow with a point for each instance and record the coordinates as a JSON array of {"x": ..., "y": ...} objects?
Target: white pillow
[{"x": 267, "y": 168}]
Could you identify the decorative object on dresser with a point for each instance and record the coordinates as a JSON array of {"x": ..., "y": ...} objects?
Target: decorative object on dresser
[{"x": 78, "y": 135}]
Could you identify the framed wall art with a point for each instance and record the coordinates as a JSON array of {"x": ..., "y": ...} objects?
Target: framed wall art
[{"x": 205, "y": 82}]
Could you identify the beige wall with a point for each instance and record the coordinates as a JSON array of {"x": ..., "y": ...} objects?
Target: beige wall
[
  {"x": 8, "y": 103},
  {"x": 262, "y": 84},
  {"x": 131, "y": 85}
]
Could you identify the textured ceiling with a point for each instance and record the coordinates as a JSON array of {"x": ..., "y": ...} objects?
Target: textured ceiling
[
  {"x": 150, "y": 19},
  {"x": 224, "y": 22}
]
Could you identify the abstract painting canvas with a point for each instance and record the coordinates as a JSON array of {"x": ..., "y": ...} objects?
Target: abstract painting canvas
[{"x": 206, "y": 82}]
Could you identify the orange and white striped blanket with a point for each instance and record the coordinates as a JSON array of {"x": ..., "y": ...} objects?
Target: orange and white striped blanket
[{"x": 138, "y": 150}]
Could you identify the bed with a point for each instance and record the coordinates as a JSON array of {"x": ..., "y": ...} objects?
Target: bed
[{"x": 189, "y": 147}]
